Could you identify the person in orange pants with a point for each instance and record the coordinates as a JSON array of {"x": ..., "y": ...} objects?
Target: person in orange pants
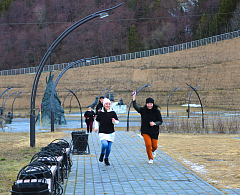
[{"x": 151, "y": 118}]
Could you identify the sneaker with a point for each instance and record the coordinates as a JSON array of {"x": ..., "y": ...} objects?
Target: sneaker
[
  {"x": 154, "y": 154},
  {"x": 150, "y": 161}
]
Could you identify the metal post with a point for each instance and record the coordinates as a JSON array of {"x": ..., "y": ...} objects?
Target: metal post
[
  {"x": 54, "y": 87},
  {"x": 6, "y": 99},
  {"x": 72, "y": 97},
  {"x": 79, "y": 106},
  {"x": 65, "y": 98},
  {"x": 169, "y": 98},
  {"x": 189, "y": 100},
  {"x": 6, "y": 90},
  {"x": 100, "y": 14},
  {"x": 148, "y": 85},
  {"x": 14, "y": 100},
  {"x": 107, "y": 92},
  {"x": 200, "y": 103},
  {"x": 101, "y": 92}
]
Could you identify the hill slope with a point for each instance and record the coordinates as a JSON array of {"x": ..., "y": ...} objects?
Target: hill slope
[{"x": 215, "y": 67}]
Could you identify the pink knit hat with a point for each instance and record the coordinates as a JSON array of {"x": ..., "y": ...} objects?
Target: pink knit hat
[{"x": 106, "y": 100}]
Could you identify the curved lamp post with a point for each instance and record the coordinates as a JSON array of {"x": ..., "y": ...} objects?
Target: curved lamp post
[
  {"x": 14, "y": 100},
  {"x": 189, "y": 100},
  {"x": 65, "y": 98},
  {"x": 72, "y": 97},
  {"x": 148, "y": 85},
  {"x": 6, "y": 90},
  {"x": 7, "y": 98},
  {"x": 79, "y": 106},
  {"x": 54, "y": 87},
  {"x": 100, "y": 14},
  {"x": 169, "y": 98},
  {"x": 3, "y": 99},
  {"x": 107, "y": 92},
  {"x": 200, "y": 103},
  {"x": 101, "y": 93}
]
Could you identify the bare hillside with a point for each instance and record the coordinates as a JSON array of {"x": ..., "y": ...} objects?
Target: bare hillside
[{"x": 214, "y": 67}]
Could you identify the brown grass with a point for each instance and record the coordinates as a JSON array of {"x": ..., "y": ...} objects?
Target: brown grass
[
  {"x": 217, "y": 156},
  {"x": 15, "y": 153},
  {"x": 215, "y": 67}
]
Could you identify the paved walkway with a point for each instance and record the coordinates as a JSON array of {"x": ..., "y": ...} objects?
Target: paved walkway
[{"x": 130, "y": 173}]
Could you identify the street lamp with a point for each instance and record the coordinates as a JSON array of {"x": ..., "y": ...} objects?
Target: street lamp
[
  {"x": 3, "y": 99},
  {"x": 6, "y": 99},
  {"x": 189, "y": 100},
  {"x": 169, "y": 98},
  {"x": 79, "y": 106},
  {"x": 14, "y": 100},
  {"x": 105, "y": 95},
  {"x": 54, "y": 87},
  {"x": 200, "y": 103},
  {"x": 6, "y": 90},
  {"x": 101, "y": 93},
  {"x": 148, "y": 85},
  {"x": 100, "y": 14},
  {"x": 72, "y": 97},
  {"x": 65, "y": 98}
]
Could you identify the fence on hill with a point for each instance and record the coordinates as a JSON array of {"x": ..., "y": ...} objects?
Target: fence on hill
[{"x": 128, "y": 56}]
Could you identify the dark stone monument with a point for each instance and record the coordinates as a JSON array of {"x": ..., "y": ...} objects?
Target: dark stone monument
[{"x": 59, "y": 118}]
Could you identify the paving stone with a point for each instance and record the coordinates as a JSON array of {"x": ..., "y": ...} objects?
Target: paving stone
[{"x": 130, "y": 173}]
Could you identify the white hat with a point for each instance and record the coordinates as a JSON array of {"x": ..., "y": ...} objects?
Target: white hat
[{"x": 106, "y": 100}]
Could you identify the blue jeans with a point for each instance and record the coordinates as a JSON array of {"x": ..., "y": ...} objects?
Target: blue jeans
[{"x": 106, "y": 148}]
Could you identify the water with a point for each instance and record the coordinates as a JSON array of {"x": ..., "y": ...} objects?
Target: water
[{"x": 73, "y": 122}]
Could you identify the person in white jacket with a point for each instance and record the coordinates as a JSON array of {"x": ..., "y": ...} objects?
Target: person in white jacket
[{"x": 104, "y": 125}]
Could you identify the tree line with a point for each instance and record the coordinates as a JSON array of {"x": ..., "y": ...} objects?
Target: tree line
[{"x": 28, "y": 28}]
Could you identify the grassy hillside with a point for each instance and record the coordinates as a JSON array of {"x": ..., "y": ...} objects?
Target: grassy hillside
[{"x": 214, "y": 67}]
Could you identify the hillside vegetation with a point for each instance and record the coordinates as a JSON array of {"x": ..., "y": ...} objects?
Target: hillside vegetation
[
  {"x": 214, "y": 67},
  {"x": 28, "y": 28}
]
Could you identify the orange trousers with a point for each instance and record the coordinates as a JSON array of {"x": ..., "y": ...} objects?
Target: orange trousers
[{"x": 151, "y": 145}]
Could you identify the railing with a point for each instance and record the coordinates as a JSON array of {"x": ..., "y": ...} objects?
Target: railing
[{"x": 128, "y": 56}]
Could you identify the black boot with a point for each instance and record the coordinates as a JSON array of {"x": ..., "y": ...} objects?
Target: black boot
[
  {"x": 106, "y": 162},
  {"x": 101, "y": 157}
]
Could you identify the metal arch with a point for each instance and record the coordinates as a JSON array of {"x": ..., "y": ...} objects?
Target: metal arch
[
  {"x": 107, "y": 92},
  {"x": 189, "y": 100},
  {"x": 54, "y": 87},
  {"x": 148, "y": 85},
  {"x": 169, "y": 98},
  {"x": 14, "y": 100},
  {"x": 3, "y": 99},
  {"x": 7, "y": 98},
  {"x": 65, "y": 98},
  {"x": 43, "y": 62},
  {"x": 200, "y": 103},
  {"x": 6, "y": 90},
  {"x": 101, "y": 93},
  {"x": 79, "y": 106},
  {"x": 72, "y": 97}
]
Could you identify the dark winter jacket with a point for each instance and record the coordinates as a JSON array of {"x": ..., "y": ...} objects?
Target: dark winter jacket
[
  {"x": 99, "y": 106},
  {"x": 147, "y": 116},
  {"x": 105, "y": 121},
  {"x": 90, "y": 115}
]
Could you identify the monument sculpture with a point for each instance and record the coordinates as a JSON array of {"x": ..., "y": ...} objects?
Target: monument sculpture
[{"x": 59, "y": 118}]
